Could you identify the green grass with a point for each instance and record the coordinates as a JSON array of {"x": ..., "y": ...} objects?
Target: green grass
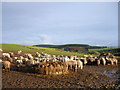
[
  {"x": 114, "y": 50},
  {"x": 25, "y": 48},
  {"x": 108, "y": 48}
]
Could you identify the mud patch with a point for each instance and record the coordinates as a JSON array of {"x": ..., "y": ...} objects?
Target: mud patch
[{"x": 89, "y": 77}]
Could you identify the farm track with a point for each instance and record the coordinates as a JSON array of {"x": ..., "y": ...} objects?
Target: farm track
[{"x": 90, "y": 77}]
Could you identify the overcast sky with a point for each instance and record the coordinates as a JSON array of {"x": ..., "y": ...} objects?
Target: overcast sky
[{"x": 60, "y": 23}]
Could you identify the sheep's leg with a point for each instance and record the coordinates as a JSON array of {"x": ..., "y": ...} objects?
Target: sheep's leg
[
  {"x": 71, "y": 67},
  {"x": 116, "y": 62},
  {"x": 81, "y": 66},
  {"x": 104, "y": 62},
  {"x": 98, "y": 62},
  {"x": 46, "y": 71},
  {"x": 75, "y": 68},
  {"x": 112, "y": 62}
]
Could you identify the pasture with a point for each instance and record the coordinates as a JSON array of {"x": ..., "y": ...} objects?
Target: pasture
[
  {"x": 107, "y": 48},
  {"x": 33, "y": 49},
  {"x": 113, "y": 50}
]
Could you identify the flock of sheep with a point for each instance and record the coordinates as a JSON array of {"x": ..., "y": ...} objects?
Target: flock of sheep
[{"x": 51, "y": 64}]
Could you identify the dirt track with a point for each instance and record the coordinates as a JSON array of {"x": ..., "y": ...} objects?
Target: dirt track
[{"x": 90, "y": 77}]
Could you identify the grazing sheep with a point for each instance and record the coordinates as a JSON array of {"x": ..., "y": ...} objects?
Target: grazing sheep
[
  {"x": 103, "y": 61},
  {"x": 91, "y": 61},
  {"x": 98, "y": 61},
  {"x": 79, "y": 64},
  {"x": 19, "y": 52},
  {"x": 15, "y": 58},
  {"x": 84, "y": 60},
  {"x": 72, "y": 64},
  {"x": 25, "y": 60},
  {"x": 38, "y": 54},
  {"x": 11, "y": 54},
  {"x": 6, "y": 55},
  {"x": 30, "y": 62},
  {"x": 58, "y": 68},
  {"x": 6, "y": 65},
  {"x": 10, "y": 59},
  {"x": 113, "y": 60},
  {"x": 21, "y": 57},
  {"x": 28, "y": 55},
  {"x": 49, "y": 69},
  {"x": 19, "y": 61}
]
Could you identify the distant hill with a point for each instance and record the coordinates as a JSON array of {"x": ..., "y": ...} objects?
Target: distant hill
[
  {"x": 81, "y": 48},
  {"x": 70, "y": 45},
  {"x": 84, "y": 48}
]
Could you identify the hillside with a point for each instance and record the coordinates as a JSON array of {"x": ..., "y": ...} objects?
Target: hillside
[
  {"x": 80, "y": 48},
  {"x": 56, "y": 51},
  {"x": 70, "y": 45},
  {"x": 113, "y": 50},
  {"x": 33, "y": 49},
  {"x": 84, "y": 48}
]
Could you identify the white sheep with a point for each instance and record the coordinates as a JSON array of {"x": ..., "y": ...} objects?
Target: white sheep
[
  {"x": 11, "y": 54},
  {"x": 79, "y": 64},
  {"x": 19, "y": 52},
  {"x": 6, "y": 55},
  {"x": 19, "y": 61},
  {"x": 30, "y": 62}
]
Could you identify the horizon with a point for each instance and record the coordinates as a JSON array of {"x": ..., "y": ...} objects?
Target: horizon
[
  {"x": 55, "y": 23},
  {"x": 60, "y": 44}
]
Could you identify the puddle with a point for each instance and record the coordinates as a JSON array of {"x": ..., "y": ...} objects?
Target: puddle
[
  {"x": 109, "y": 71},
  {"x": 111, "y": 74}
]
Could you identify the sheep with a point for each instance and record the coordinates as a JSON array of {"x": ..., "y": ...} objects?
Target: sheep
[
  {"x": 25, "y": 59},
  {"x": 19, "y": 52},
  {"x": 52, "y": 69},
  {"x": 28, "y": 55},
  {"x": 58, "y": 68},
  {"x": 79, "y": 64},
  {"x": 6, "y": 65},
  {"x": 5, "y": 56},
  {"x": 115, "y": 61},
  {"x": 38, "y": 54},
  {"x": 10, "y": 59},
  {"x": 21, "y": 57},
  {"x": 112, "y": 61},
  {"x": 84, "y": 60},
  {"x": 97, "y": 61},
  {"x": 91, "y": 61},
  {"x": 15, "y": 58},
  {"x": 103, "y": 60},
  {"x": 30, "y": 62},
  {"x": 11, "y": 54},
  {"x": 70, "y": 64},
  {"x": 19, "y": 61}
]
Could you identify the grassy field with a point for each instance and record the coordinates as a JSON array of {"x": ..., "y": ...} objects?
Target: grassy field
[
  {"x": 114, "y": 50},
  {"x": 101, "y": 49},
  {"x": 33, "y": 49}
]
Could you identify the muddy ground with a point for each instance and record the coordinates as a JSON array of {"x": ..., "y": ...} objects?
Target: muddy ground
[{"x": 90, "y": 77}]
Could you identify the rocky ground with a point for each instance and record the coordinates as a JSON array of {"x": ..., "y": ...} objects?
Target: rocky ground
[{"x": 90, "y": 77}]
